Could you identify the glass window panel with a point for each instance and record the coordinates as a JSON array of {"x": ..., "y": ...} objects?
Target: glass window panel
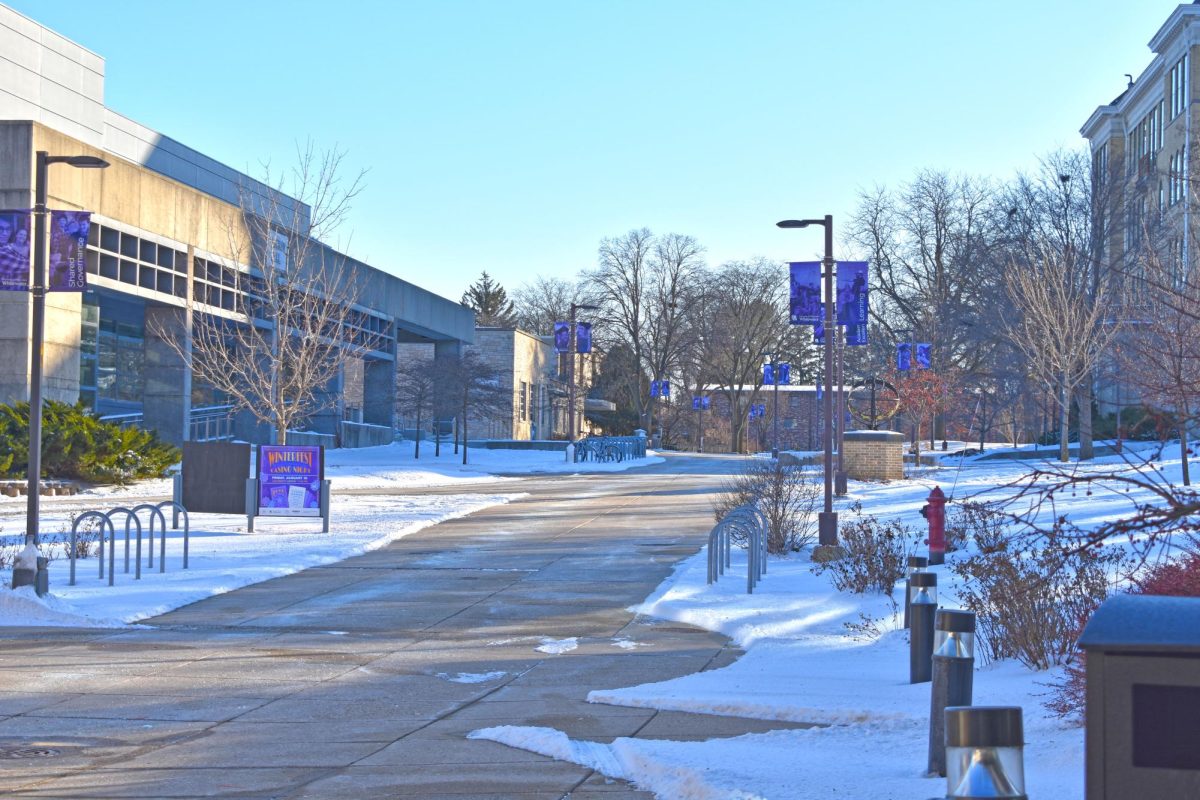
[
  {"x": 129, "y": 245},
  {"x": 166, "y": 257},
  {"x": 165, "y": 282},
  {"x": 181, "y": 286},
  {"x": 108, "y": 266},
  {"x": 128, "y": 271},
  {"x": 110, "y": 240},
  {"x": 146, "y": 278},
  {"x": 93, "y": 234},
  {"x": 93, "y": 261},
  {"x": 149, "y": 252}
]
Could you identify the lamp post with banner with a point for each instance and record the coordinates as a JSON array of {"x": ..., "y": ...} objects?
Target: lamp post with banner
[
  {"x": 37, "y": 289},
  {"x": 827, "y": 519}
]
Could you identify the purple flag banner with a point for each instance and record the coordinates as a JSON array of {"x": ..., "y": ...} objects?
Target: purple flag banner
[
  {"x": 583, "y": 337},
  {"x": 14, "y": 250},
  {"x": 805, "y": 292},
  {"x": 68, "y": 245},
  {"x": 924, "y": 354},
  {"x": 819, "y": 332},
  {"x": 289, "y": 480},
  {"x": 904, "y": 356},
  {"x": 852, "y": 300},
  {"x": 785, "y": 374},
  {"x": 562, "y": 337},
  {"x": 768, "y": 375}
]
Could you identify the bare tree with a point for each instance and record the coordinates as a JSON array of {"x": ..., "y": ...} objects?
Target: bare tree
[
  {"x": 620, "y": 284},
  {"x": 277, "y": 347},
  {"x": 475, "y": 389},
  {"x": 416, "y": 388},
  {"x": 544, "y": 301},
  {"x": 1061, "y": 330}
]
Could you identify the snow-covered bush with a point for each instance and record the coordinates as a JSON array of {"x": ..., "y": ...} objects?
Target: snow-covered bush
[
  {"x": 1028, "y": 603},
  {"x": 786, "y": 494},
  {"x": 977, "y": 522},
  {"x": 876, "y": 553}
]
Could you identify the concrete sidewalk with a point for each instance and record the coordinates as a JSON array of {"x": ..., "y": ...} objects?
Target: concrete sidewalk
[{"x": 362, "y": 679}]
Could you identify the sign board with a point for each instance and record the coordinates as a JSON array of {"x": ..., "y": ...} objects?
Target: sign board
[
  {"x": 289, "y": 480},
  {"x": 214, "y": 477}
]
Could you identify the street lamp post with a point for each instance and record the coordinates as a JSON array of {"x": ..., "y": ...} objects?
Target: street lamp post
[
  {"x": 573, "y": 351},
  {"x": 38, "y": 332},
  {"x": 839, "y": 477},
  {"x": 827, "y": 520}
]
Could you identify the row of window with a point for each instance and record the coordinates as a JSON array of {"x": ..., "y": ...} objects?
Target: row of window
[
  {"x": 1145, "y": 140},
  {"x": 124, "y": 257},
  {"x": 1177, "y": 178}
]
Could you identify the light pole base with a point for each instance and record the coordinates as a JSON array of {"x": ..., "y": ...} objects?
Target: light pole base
[
  {"x": 839, "y": 484},
  {"x": 827, "y": 528}
]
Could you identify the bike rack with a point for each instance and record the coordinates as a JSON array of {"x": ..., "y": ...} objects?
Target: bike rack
[
  {"x": 104, "y": 520},
  {"x": 750, "y": 521},
  {"x": 155, "y": 511},
  {"x": 130, "y": 517},
  {"x": 176, "y": 510}
]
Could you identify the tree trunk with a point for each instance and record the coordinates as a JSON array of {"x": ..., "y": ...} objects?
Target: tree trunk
[
  {"x": 1064, "y": 421},
  {"x": 1183, "y": 453},
  {"x": 1084, "y": 398}
]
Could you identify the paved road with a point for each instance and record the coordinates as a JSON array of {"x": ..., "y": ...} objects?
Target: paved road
[{"x": 350, "y": 680}]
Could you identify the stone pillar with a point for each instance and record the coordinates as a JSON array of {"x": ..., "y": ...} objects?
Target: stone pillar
[
  {"x": 874, "y": 455},
  {"x": 166, "y": 398},
  {"x": 379, "y": 392}
]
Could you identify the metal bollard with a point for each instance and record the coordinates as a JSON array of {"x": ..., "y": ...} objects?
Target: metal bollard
[
  {"x": 953, "y": 676},
  {"x": 985, "y": 753},
  {"x": 915, "y": 564},
  {"x": 922, "y": 607},
  {"x": 41, "y": 583}
]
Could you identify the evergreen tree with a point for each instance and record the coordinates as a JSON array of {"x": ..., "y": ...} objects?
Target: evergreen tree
[{"x": 490, "y": 303}]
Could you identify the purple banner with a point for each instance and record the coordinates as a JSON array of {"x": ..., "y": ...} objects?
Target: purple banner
[
  {"x": 768, "y": 374},
  {"x": 660, "y": 388},
  {"x": 68, "y": 245},
  {"x": 289, "y": 480},
  {"x": 852, "y": 300},
  {"x": 583, "y": 337},
  {"x": 562, "y": 337},
  {"x": 904, "y": 356},
  {"x": 785, "y": 374},
  {"x": 15, "y": 241},
  {"x": 700, "y": 403},
  {"x": 924, "y": 355},
  {"x": 805, "y": 292}
]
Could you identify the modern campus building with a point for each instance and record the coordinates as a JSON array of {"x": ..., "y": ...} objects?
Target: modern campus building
[{"x": 158, "y": 252}]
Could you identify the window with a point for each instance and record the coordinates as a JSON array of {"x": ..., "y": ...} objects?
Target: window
[
  {"x": 1179, "y": 87},
  {"x": 523, "y": 399}
]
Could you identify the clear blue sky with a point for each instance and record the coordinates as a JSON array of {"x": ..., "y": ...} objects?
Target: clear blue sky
[{"x": 513, "y": 136}]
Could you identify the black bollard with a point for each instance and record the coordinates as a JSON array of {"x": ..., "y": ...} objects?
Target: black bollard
[
  {"x": 922, "y": 607},
  {"x": 41, "y": 582},
  {"x": 953, "y": 675},
  {"x": 915, "y": 564}
]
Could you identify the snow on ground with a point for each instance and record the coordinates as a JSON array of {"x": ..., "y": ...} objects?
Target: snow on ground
[
  {"x": 803, "y": 665},
  {"x": 223, "y": 556}
]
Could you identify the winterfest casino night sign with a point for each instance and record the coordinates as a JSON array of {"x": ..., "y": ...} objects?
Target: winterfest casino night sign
[{"x": 289, "y": 480}]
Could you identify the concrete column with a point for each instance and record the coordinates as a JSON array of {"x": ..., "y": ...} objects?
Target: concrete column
[
  {"x": 379, "y": 392},
  {"x": 329, "y": 418},
  {"x": 166, "y": 398}
]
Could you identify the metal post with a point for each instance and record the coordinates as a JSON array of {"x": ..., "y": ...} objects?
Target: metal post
[
  {"x": 827, "y": 520},
  {"x": 37, "y": 338},
  {"x": 839, "y": 478},
  {"x": 915, "y": 564},
  {"x": 571, "y": 380},
  {"x": 775, "y": 415}
]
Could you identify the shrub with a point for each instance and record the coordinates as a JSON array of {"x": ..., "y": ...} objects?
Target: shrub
[
  {"x": 786, "y": 495},
  {"x": 978, "y": 522},
  {"x": 1028, "y": 604},
  {"x": 876, "y": 554},
  {"x": 1173, "y": 578},
  {"x": 76, "y": 444}
]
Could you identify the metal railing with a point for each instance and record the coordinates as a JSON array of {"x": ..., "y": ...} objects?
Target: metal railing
[
  {"x": 125, "y": 420},
  {"x": 750, "y": 523},
  {"x": 609, "y": 448},
  {"x": 211, "y": 424}
]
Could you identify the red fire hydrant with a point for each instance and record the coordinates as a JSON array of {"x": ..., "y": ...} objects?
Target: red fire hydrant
[{"x": 935, "y": 512}]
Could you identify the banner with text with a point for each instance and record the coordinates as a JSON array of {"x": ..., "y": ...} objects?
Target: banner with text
[
  {"x": 852, "y": 299},
  {"x": 805, "y": 292},
  {"x": 68, "y": 249},
  {"x": 15, "y": 241}
]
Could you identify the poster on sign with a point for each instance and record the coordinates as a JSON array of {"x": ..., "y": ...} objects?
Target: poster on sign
[
  {"x": 14, "y": 250},
  {"x": 289, "y": 480}
]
